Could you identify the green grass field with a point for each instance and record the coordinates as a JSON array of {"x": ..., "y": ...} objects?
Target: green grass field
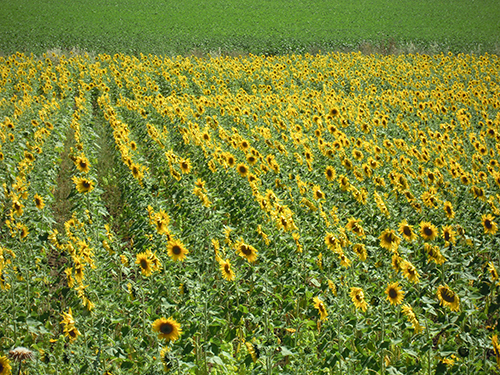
[{"x": 261, "y": 26}]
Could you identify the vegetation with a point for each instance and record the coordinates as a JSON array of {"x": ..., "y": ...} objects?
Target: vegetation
[
  {"x": 240, "y": 27},
  {"x": 335, "y": 213}
]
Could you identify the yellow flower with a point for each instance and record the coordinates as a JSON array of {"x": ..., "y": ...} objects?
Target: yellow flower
[
  {"x": 406, "y": 231},
  {"x": 246, "y": 251},
  {"x": 167, "y": 329},
  {"x": 428, "y": 231},
  {"x": 410, "y": 272},
  {"x": 448, "y": 297},
  {"x": 227, "y": 272},
  {"x": 39, "y": 202},
  {"x": 82, "y": 164},
  {"x": 176, "y": 250},
  {"x": 321, "y": 308},
  {"x": 83, "y": 185},
  {"x": 490, "y": 227},
  {"x": 394, "y": 293},
  {"x": 145, "y": 264},
  {"x": 358, "y": 298},
  {"x": 389, "y": 240}
]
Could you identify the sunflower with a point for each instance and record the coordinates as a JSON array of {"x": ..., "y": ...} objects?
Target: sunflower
[
  {"x": 242, "y": 170},
  {"x": 166, "y": 358},
  {"x": 360, "y": 251},
  {"x": 449, "y": 234},
  {"x": 355, "y": 227},
  {"x": 227, "y": 272},
  {"x": 406, "y": 231},
  {"x": 167, "y": 329},
  {"x": 448, "y": 297},
  {"x": 434, "y": 254},
  {"x": 5, "y": 368},
  {"x": 176, "y": 250},
  {"x": 83, "y": 185},
  {"x": 397, "y": 262},
  {"x": 358, "y": 298},
  {"x": 428, "y": 231},
  {"x": 410, "y": 272},
  {"x": 253, "y": 350},
  {"x": 17, "y": 207},
  {"x": 394, "y": 293},
  {"x": 82, "y": 164},
  {"x": 321, "y": 308},
  {"x": 145, "y": 264},
  {"x": 412, "y": 318},
  {"x": 317, "y": 193},
  {"x": 246, "y": 251},
  {"x": 493, "y": 271},
  {"x": 490, "y": 227},
  {"x": 330, "y": 173},
  {"x": 389, "y": 240},
  {"x": 496, "y": 348},
  {"x": 185, "y": 165},
  {"x": 39, "y": 202}
]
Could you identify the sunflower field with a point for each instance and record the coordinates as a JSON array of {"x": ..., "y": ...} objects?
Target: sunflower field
[{"x": 299, "y": 214}]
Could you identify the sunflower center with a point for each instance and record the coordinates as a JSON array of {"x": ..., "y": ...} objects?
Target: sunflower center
[
  {"x": 86, "y": 184},
  {"x": 448, "y": 296},
  {"x": 393, "y": 293},
  {"x": 166, "y": 328},
  {"x": 389, "y": 238},
  {"x": 407, "y": 231},
  {"x": 447, "y": 236},
  {"x": 487, "y": 224},
  {"x": 184, "y": 166},
  {"x": 246, "y": 250},
  {"x": 428, "y": 231},
  {"x": 176, "y": 250},
  {"x": 144, "y": 263}
]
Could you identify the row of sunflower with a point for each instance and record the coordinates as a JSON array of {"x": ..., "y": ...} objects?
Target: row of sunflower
[{"x": 325, "y": 185}]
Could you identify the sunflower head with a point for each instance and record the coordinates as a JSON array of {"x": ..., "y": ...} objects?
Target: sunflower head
[
  {"x": 490, "y": 227},
  {"x": 394, "y": 293},
  {"x": 5, "y": 368},
  {"x": 176, "y": 250},
  {"x": 319, "y": 304},
  {"x": 227, "y": 272},
  {"x": 83, "y": 185},
  {"x": 246, "y": 251},
  {"x": 448, "y": 297},
  {"x": 428, "y": 231},
  {"x": 167, "y": 329}
]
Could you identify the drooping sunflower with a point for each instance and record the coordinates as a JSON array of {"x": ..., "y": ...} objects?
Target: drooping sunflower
[
  {"x": 406, "y": 231},
  {"x": 176, "y": 250},
  {"x": 360, "y": 251},
  {"x": 355, "y": 227},
  {"x": 39, "y": 202},
  {"x": 253, "y": 350},
  {"x": 410, "y": 272},
  {"x": 246, "y": 251},
  {"x": 358, "y": 298},
  {"x": 496, "y": 348},
  {"x": 389, "y": 240},
  {"x": 449, "y": 234},
  {"x": 319, "y": 304},
  {"x": 317, "y": 193},
  {"x": 83, "y": 185},
  {"x": 227, "y": 272},
  {"x": 428, "y": 231},
  {"x": 167, "y": 329},
  {"x": 493, "y": 271},
  {"x": 448, "y": 297},
  {"x": 394, "y": 293},
  {"x": 490, "y": 227},
  {"x": 145, "y": 264},
  {"x": 412, "y": 318}
]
